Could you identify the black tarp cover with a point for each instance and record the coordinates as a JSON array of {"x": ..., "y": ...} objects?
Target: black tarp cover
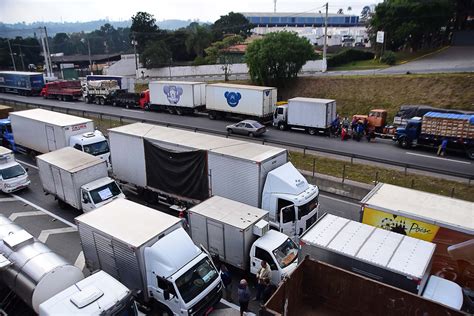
[{"x": 179, "y": 173}]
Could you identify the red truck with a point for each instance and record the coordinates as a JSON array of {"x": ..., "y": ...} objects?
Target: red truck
[{"x": 62, "y": 90}]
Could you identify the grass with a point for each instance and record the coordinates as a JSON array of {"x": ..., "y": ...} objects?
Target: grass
[{"x": 367, "y": 174}]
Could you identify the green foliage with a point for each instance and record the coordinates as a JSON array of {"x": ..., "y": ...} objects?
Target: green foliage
[
  {"x": 143, "y": 29},
  {"x": 277, "y": 58},
  {"x": 199, "y": 37},
  {"x": 199, "y": 60},
  {"x": 232, "y": 23},
  {"x": 27, "y": 49},
  {"x": 215, "y": 53},
  {"x": 388, "y": 58},
  {"x": 156, "y": 55},
  {"x": 348, "y": 55}
]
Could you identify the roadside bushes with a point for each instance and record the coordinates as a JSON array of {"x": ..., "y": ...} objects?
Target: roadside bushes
[
  {"x": 388, "y": 58},
  {"x": 347, "y": 56}
]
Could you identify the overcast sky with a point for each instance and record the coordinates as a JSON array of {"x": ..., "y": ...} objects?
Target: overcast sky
[{"x": 12, "y": 11}]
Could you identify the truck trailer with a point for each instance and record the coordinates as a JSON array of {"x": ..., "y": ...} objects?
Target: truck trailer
[
  {"x": 99, "y": 91},
  {"x": 442, "y": 220},
  {"x": 150, "y": 253},
  {"x": 319, "y": 288},
  {"x": 385, "y": 256},
  {"x": 307, "y": 114},
  {"x": 62, "y": 90},
  {"x": 178, "y": 167},
  {"x": 77, "y": 179},
  {"x": 255, "y": 102},
  {"x": 21, "y": 82},
  {"x": 180, "y": 97}
]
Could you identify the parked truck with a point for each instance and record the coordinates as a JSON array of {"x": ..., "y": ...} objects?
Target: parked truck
[
  {"x": 49, "y": 284},
  {"x": 150, "y": 253},
  {"x": 40, "y": 131},
  {"x": 407, "y": 112},
  {"x": 125, "y": 83},
  {"x": 307, "y": 114},
  {"x": 21, "y": 82},
  {"x": 99, "y": 91},
  {"x": 445, "y": 221},
  {"x": 62, "y": 90},
  {"x": 77, "y": 179},
  {"x": 255, "y": 102},
  {"x": 177, "y": 167},
  {"x": 180, "y": 97},
  {"x": 13, "y": 176},
  {"x": 238, "y": 234},
  {"x": 434, "y": 127},
  {"x": 319, "y": 288},
  {"x": 385, "y": 256}
]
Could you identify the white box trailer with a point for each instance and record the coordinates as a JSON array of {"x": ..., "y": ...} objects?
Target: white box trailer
[
  {"x": 224, "y": 99},
  {"x": 179, "y": 96}
]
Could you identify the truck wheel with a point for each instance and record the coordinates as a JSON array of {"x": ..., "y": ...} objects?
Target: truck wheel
[
  {"x": 179, "y": 112},
  {"x": 470, "y": 153},
  {"x": 403, "y": 143},
  {"x": 312, "y": 131},
  {"x": 230, "y": 131},
  {"x": 102, "y": 101},
  {"x": 147, "y": 107},
  {"x": 87, "y": 99},
  {"x": 212, "y": 115},
  {"x": 127, "y": 106},
  {"x": 281, "y": 126}
]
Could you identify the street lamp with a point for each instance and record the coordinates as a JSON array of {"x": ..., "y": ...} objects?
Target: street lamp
[
  {"x": 83, "y": 40},
  {"x": 135, "y": 43}
]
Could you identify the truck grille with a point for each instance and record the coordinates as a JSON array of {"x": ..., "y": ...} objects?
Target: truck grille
[{"x": 207, "y": 302}]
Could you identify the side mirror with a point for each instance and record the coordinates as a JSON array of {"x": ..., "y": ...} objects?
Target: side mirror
[
  {"x": 85, "y": 199},
  {"x": 166, "y": 295}
]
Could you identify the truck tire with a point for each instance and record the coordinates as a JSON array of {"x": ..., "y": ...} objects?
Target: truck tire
[
  {"x": 470, "y": 153},
  {"x": 311, "y": 131},
  {"x": 403, "y": 143},
  {"x": 281, "y": 126},
  {"x": 179, "y": 112},
  {"x": 102, "y": 101},
  {"x": 147, "y": 107},
  {"x": 251, "y": 134},
  {"x": 212, "y": 115},
  {"x": 114, "y": 103},
  {"x": 87, "y": 99},
  {"x": 230, "y": 131}
]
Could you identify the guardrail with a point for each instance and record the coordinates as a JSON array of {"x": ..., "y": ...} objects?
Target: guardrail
[{"x": 352, "y": 156}]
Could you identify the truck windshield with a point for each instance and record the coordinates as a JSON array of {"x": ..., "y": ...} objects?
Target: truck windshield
[
  {"x": 305, "y": 209},
  {"x": 105, "y": 192},
  {"x": 286, "y": 253},
  {"x": 196, "y": 280},
  {"x": 12, "y": 172},
  {"x": 96, "y": 149}
]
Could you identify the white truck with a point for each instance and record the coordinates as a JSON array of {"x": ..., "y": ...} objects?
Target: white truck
[
  {"x": 150, "y": 253},
  {"x": 40, "y": 131},
  {"x": 223, "y": 99},
  {"x": 178, "y": 167},
  {"x": 239, "y": 235},
  {"x": 180, "y": 97},
  {"x": 99, "y": 91},
  {"x": 50, "y": 285},
  {"x": 77, "y": 179},
  {"x": 307, "y": 114},
  {"x": 13, "y": 176},
  {"x": 385, "y": 256}
]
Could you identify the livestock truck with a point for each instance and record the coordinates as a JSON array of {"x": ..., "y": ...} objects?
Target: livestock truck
[
  {"x": 77, "y": 179},
  {"x": 431, "y": 129},
  {"x": 177, "y": 167},
  {"x": 307, "y": 114},
  {"x": 62, "y": 90},
  {"x": 49, "y": 284},
  {"x": 40, "y": 131},
  {"x": 238, "y": 234},
  {"x": 13, "y": 176},
  {"x": 21, "y": 82},
  {"x": 447, "y": 222},
  {"x": 180, "y": 97},
  {"x": 385, "y": 256},
  {"x": 244, "y": 101},
  {"x": 320, "y": 288},
  {"x": 150, "y": 253}
]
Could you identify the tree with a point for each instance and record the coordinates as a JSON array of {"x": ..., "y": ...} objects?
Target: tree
[
  {"x": 232, "y": 23},
  {"x": 156, "y": 54},
  {"x": 365, "y": 13},
  {"x": 199, "y": 37},
  {"x": 340, "y": 11},
  {"x": 278, "y": 57},
  {"x": 143, "y": 29},
  {"x": 216, "y": 53}
]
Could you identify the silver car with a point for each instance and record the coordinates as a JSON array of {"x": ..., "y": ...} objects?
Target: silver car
[{"x": 247, "y": 127}]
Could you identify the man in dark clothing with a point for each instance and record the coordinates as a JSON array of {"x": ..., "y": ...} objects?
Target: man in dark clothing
[
  {"x": 244, "y": 296},
  {"x": 266, "y": 294},
  {"x": 227, "y": 280}
]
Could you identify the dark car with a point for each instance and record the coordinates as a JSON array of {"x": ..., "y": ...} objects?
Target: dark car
[{"x": 247, "y": 127}]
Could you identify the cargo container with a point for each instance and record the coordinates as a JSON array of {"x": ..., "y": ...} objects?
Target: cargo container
[
  {"x": 77, "y": 179},
  {"x": 13, "y": 176},
  {"x": 238, "y": 234},
  {"x": 21, "y": 82},
  {"x": 307, "y": 114},
  {"x": 319, "y": 288},
  {"x": 100, "y": 91},
  {"x": 62, "y": 90},
  {"x": 150, "y": 253},
  {"x": 180, "y": 97},
  {"x": 385, "y": 256},
  {"x": 243, "y": 101},
  {"x": 125, "y": 83},
  {"x": 442, "y": 220},
  {"x": 178, "y": 167}
]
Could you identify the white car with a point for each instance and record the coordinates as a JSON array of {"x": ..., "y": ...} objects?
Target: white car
[{"x": 13, "y": 176}]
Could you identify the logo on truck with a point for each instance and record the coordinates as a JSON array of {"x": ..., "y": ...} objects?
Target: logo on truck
[
  {"x": 233, "y": 98},
  {"x": 173, "y": 93},
  {"x": 78, "y": 127}
]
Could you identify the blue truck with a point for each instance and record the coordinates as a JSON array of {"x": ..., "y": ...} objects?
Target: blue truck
[
  {"x": 432, "y": 128},
  {"x": 21, "y": 82}
]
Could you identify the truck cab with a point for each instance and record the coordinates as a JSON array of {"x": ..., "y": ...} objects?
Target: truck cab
[
  {"x": 291, "y": 201},
  {"x": 99, "y": 192},
  {"x": 144, "y": 101},
  {"x": 407, "y": 136},
  {"x": 93, "y": 143},
  {"x": 278, "y": 250},
  {"x": 13, "y": 176},
  {"x": 280, "y": 115}
]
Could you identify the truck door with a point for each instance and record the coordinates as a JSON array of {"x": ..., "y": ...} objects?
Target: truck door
[
  {"x": 58, "y": 183},
  {"x": 51, "y": 138},
  {"x": 256, "y": 264},
  {"x": 287, "y": 217},
  {"x": 216, "y": 243},
  {"x": 106, "y": 255}
]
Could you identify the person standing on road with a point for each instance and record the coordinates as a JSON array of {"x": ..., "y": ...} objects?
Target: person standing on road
[
  {"x": 266, "y": 294},
  {"x": 442, "y": 147},
  {"x": 263, "y": 273},
  {"x": 227, "y": 281},
  {"x": 244, "y": 296}
]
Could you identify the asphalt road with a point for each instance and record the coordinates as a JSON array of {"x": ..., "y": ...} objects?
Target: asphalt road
[{"x": 382, "y": 149}]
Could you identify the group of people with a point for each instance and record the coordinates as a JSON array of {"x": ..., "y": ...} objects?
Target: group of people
[
  {"x": 356, "y": 129},
  {"x": 264, "y": 288}
]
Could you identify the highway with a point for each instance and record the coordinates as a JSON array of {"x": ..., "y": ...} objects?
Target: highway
[{"x": 381, "y": 148}]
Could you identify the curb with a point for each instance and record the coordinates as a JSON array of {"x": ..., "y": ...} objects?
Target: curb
[{"x": 425, "y": 55}]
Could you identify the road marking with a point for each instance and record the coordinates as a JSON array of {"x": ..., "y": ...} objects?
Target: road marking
[
  {"x": 441, "y": 158},
  {"x": 14, "y": 216},
  {"x": 45, "y": 211},
  {"x": 47, "y": 232},
  {"x": 128, "y": 110},
  {"x": 339, "y": 200},
  {"x": 8, "y": 200},
  {"x": 27, "y": 164},
  {"x": 80, "y": 261}
]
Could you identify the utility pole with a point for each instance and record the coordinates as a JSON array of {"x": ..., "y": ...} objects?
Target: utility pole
[
  {"x": 90, "y": 59},
  {"x": 48, "y": 52},
  {"x": 134, "y": 43},
  {"x": 325, "y": 34},
  {"x": 11, "y": 54},
  {"x": 21, "y": 58}
]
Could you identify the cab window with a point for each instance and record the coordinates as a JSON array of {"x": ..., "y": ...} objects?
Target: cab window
[
  {"x": 288, "y": 213},
  {"x": 78, "y": 147},
  {"x": 264, "y": 255}
]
